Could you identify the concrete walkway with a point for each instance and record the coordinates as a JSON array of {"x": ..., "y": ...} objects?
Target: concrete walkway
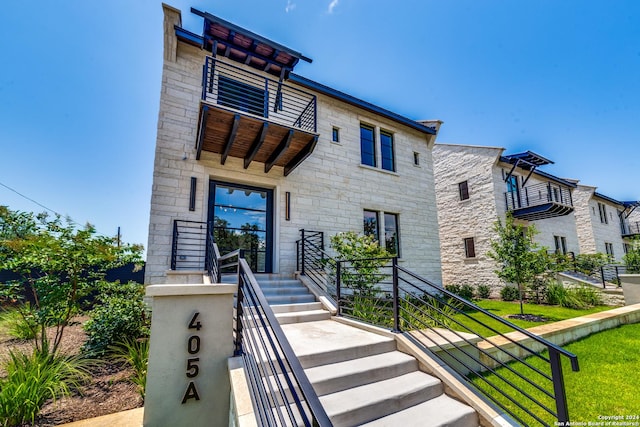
[{"x": 131, "y": 418}]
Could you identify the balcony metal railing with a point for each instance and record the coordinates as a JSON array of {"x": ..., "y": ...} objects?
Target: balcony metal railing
[
  {"x": 188, "y": 248},
  {"x": 536, "y": 195},
  {"x": 630, "y": 228},
  {"x": 250, "y": 93}
]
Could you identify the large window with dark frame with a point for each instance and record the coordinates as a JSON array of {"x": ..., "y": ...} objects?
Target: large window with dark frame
[
  {"x": 367, "y": 145},
  {"x": 386, "y": 150},
  {"x": 372, "y": 227},
  {"x": 561, "y": 244},
  {"x": 603, "y": 213},
  {"x": 469, "y": 247}
]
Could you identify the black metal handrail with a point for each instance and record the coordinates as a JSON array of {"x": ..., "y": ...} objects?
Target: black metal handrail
[
  {"x": 238, "y": 89},
  {"x": 538, "y": 194},
  {"x": 189, "y": 248},
  {"x": 611, "y": 273},
  {"x": 281, "y": 392},
  {"x": 454, "y": 329}
]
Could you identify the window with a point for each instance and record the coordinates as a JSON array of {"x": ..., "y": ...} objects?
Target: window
[
  {"x": 469, "y": 247},
  {"x": 603, "y": 213},
  {"x": 416, "y": 158},
  {"x": 391, "y": 234},
  {"x": 561, "y": 244},
  {"x": 463, "y": 189},
  {"x": 367, "y": 146},
  {"x": 335, "y": 134},
  {"x": 627, "y": 248},
  {"x": 386, "y": 149},
  {"x": 371, "y": 224},
  {"x": 608, "y": 247},
  {"x": 241, "y": 96}
]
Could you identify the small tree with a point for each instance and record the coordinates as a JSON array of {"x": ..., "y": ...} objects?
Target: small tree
[
  {"x": 632, "y": 257},
  {"x": 366, "y": 256},
  {"x": 517, "y": 255},
  {"x": 58, "y": 265}
]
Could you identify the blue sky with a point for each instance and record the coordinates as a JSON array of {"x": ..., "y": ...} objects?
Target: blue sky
[{"x": 80, "y": 86}]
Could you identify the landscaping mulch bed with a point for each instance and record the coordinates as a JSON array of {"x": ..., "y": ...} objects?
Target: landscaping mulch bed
[
  {"x": 108, "y": 391},
  {"x": 528, "y": 317}
]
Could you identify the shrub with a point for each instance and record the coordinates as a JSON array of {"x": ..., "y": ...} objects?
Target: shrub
[
  {"x": 590, "y": 263},
  {"x": 428, "y": 311},
  {"x": 134, "y": 353},
  {"x": 483, "y": 291},
  {"x": 579, "y": 297},
  {"x": 556, "y": 294},
  {"x": 509, "y": 293},
  {"x": 588, "y": 295},
  {"x": 33, "y": 379},
  {"x": 20, "y": 323},
  {"x": 463, "y": 291},
  {"x": 120, "y": 316},
  {"x": 632, "y": 257}
]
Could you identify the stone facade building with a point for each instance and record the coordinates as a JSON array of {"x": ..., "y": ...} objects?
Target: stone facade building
[
  {"x": 249, "y": 153},
  {"x": 475, "y": 187}
]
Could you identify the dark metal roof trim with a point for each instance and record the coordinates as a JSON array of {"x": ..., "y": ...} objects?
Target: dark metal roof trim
[
  {"x": 250, "y": 34},
  {"x": 188, "y": 36},
  {"x": 631, "y": 204},
  {"x": 607, "y": 198},
  {"x": 326, "y": 90}
]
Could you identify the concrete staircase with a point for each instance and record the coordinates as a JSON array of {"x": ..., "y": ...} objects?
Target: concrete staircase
[{"x": 362, "y": 379}]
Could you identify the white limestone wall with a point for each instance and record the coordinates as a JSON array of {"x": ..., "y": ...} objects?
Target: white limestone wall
[
  {"x": 563, "y": 226},
  {"x": 329, "y": 190},
  {"x": 584, "y": 218},
  {"x": 474, "y": 217}
]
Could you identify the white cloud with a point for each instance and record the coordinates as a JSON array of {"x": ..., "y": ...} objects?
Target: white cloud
[
  {"x": 290, "y": 6},
  {"x": 333, "y": 5}
]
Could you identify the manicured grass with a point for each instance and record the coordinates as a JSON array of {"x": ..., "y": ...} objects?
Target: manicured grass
[
  {"x": 503, "y": 308},
  {"x": 607, "y": 384}
]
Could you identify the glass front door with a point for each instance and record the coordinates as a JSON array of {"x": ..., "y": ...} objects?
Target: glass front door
[{"x": 241, "y": 218}]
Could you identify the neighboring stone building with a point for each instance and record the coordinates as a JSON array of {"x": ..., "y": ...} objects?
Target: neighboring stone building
[
  {"x": 475, "y": 187},
  {"x": 253, "y": 153},
  {"x": 605, "y": 225}
]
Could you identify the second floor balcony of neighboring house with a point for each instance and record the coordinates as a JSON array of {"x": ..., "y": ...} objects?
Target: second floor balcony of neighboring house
[
  {"x": 247, "y": 109},
  {"x": 630, "y": 226},
  {"x": 540, "y": 200}
]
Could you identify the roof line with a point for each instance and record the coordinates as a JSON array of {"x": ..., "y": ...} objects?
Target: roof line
[
  {"x": 607, "y": 198},
  {"x": 251, "y": 34},
  {"x": 334, "y": 93}
]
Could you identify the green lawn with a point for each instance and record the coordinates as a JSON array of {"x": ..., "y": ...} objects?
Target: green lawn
[
  {"x": 504, "y": 308},
  {"x": 607, "y": 384}
]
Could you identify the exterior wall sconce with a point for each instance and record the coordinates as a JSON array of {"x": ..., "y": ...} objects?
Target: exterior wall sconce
[{"x": 287, "y": 206}]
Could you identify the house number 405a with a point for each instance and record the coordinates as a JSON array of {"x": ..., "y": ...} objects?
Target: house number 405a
[{"x": 193, "y": 348}]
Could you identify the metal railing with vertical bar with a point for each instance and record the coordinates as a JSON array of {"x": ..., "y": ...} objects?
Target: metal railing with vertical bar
[
  {"x": 281, "y": 392},
  {"x": 517, "y": 370}
]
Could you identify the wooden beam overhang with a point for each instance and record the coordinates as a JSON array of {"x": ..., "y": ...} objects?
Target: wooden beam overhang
[
  {"x": 279, "y": 151},
  {"x": 256, "y": 145},
  {"x": 231, "y": 133},
  {"x": 231, "y": 138},
  {"x": 301, "y": 156}
]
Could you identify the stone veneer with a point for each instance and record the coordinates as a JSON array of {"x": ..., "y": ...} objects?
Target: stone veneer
[
  {"x": 475, "y": 217},
  {"x": 329, "y": 190}
]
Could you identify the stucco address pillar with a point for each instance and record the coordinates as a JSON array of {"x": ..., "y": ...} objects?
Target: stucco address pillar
[{"x": 191, "y": 341}]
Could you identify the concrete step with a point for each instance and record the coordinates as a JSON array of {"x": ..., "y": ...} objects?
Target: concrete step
[
  {"x": 280, "y": 283},
  {"x": 284, "y": 308},
  {"x": 441, "y": 411},
  {"x": 327, "y": 341},
  {"x": 290, "y": 299},
  {"x": 302, "y": 316},
  {"x": 288, "y": 290},
  {"x": 327, "y": 379},
  {"x": 362, "y": 404}
]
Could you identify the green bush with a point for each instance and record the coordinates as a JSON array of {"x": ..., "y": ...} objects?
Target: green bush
[
  {"x": 134, "y": 353},
  {"x": 32, "y": 380},
  {"x": 120, "y": 316},
  {"x": 556, "y": 294},
  {"x": 484, "y": 291},
  {"x": 579, "y": 297},
  {"x": 509, "y": 293},
  {"x": 632, "y": 257},
  {"x": 463, "y": 291},
  {"x": 20, "y": 323},
  {"x": 590, "y": 263}
]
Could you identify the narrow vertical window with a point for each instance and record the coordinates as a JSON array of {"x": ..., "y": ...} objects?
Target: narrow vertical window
[
  {"x": 371, "y": 224},
  {"x": 602, "y": 209},
  {"x": 335, "y": 134},
  {"x": 386, "y": 149},
  {"x": 416, "y": 158},
  {"x": 391, "y": 234},
  {"x": 469, "y": 247},
  {"x": 367, "y": 146},
  {"x": 561, "y": 244},
  {"x": 463, "y": 189},
  {"x": 608, "y": 247}
]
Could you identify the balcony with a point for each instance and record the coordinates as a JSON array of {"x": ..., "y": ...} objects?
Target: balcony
[
  {"x": 630, "y": 229},
  {"x": 539, "y": 201},
  {"x": 248, "y": 116}
]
